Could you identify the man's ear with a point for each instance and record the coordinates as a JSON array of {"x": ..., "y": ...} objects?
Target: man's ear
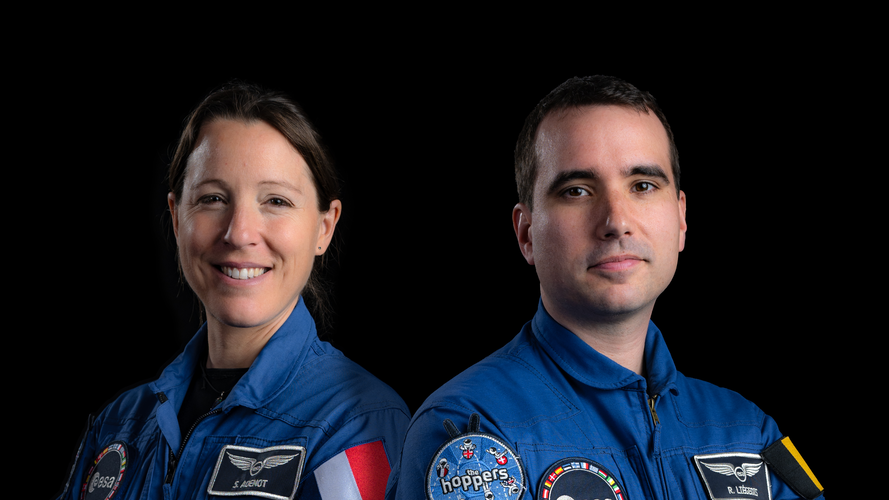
[
  {"x": 521, "y": 224},
  {"x": 171, "y": 201},
  {"x": 683, "y": 226}
]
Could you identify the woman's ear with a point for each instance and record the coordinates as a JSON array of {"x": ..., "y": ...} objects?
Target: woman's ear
[
  {"x": 171, "y": 201},
  {"x": 327, "y": 225}
]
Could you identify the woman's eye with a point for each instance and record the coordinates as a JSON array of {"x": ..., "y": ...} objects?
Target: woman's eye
[
  {"x": 279, "y": 202},
  {"x": 211, "y": 198}
]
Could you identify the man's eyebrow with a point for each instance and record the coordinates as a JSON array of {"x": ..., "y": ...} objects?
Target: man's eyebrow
[
  {"x": 562, "y": 178},
  {"x": 568, "y": 176},
  {"x": 648, "y": 171}
]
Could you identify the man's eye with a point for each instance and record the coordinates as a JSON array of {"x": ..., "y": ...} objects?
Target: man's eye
[
  {"x": 574, "y": 192},
  {"x": 641, "y": 187}
]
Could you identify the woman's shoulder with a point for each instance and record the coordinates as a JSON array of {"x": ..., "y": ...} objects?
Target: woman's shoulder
[
  {"x": 336, "y": 385},
  {"x": 131, "y": 415},
  {"x": 138, "y": 402}
]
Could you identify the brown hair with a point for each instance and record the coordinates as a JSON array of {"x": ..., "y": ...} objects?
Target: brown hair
[
  {"x": 576, "y": 93},
  {"x": 250, "y": 103}
]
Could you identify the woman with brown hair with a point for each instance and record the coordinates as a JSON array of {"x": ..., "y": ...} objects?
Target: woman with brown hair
[{"x": 256, "y": 405}]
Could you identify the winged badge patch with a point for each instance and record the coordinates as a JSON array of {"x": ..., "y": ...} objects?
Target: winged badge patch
[
  {"x": 272, "y": 472},
  {"x": 253, "y": 465},
  {"x": 734, "y": 476},
  {"x": 742, "y": 472}
]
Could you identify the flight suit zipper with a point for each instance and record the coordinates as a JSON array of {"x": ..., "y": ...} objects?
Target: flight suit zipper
[
  {"x": 174, "y": 459},
  {"x": 651, "y": 401}
]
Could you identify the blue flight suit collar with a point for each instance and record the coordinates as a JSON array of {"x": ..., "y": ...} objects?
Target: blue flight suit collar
[
  {"x": 285, "y": 351},
  {"x": 594, "y": 369}
]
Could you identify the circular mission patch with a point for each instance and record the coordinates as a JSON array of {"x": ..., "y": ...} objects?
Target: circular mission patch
[
  {"x": 579, "y": 478},
  {"x": 106, "y": 473},
  {"x": 475, "y": 465}
]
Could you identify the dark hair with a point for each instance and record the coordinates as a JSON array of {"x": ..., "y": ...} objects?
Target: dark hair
[
  {"x": 577, "y": 92},
  {"x": 250, "y": 103}
]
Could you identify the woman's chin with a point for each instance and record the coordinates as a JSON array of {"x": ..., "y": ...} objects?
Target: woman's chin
[{"x": 246, "y": 316}]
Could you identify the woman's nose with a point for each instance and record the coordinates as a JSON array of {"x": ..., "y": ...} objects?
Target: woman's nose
[{"x": 243, "y": 227}]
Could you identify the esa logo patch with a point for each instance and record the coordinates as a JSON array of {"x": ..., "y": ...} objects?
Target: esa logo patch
[
  {"x": 272, "y": 472},
  {"x": 579, "y": 479},
  {"x": 474, "y": 465},
  {"x": 105, "y": 475},
  {"x": 734, "y": 476}
]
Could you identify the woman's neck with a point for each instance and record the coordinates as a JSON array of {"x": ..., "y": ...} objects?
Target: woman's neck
[{"x": 230, "y": 346}]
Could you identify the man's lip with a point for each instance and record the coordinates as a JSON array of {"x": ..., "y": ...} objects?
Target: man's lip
[{"x": 617, "y": 262}]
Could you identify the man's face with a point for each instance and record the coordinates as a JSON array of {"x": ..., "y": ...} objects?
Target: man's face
[{"x": 607, "y": 226}]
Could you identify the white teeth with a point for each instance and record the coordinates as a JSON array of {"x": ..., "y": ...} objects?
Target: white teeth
[{"x": 243, "y": 274}]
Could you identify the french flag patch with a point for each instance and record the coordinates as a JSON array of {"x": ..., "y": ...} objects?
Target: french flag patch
[{"x": 359, "y": 473}]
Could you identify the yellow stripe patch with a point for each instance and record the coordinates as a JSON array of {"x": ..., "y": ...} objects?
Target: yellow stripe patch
[{"x": 799, "y": 458}]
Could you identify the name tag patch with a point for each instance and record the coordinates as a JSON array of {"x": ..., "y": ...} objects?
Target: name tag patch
[
  {"x": 104, "y": 477},
  {"x": 272, "y": 472},
  {"x": 733, "y": 476},
  {"x": 579, "y": 479}
]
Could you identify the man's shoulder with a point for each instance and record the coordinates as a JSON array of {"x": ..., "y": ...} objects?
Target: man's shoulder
[
  {"x": 510, "y": 386},
  {"x": 704, "y": 398}
]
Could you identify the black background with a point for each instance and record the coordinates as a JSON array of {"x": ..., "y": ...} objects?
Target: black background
[{"x": 428, "y": 278}]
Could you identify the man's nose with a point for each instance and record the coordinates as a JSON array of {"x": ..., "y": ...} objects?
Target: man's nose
[{"x": 614, "y": 218}]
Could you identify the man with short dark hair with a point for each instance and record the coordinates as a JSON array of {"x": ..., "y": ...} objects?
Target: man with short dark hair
[{"x": 586, "y": 402}]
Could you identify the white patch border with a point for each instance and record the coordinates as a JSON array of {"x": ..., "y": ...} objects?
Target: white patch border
[
  {"x": 299, "y": 471},
  {"x": 755, "y": 456}
]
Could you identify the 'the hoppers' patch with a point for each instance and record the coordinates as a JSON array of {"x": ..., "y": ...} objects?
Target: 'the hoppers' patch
[
  {"x": 733, "y": 476},
  {"x": 475, "y": 465},
  {"x": 272, "y": 472},
  {"x": 106, "y": 474},
  {"x": 579, "y": 479}
]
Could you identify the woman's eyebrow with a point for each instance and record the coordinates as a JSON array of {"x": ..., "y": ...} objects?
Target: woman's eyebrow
[{"x": 281, "y": 183}]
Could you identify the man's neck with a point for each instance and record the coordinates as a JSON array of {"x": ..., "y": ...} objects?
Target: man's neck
[{"x": 622, "y": 340}]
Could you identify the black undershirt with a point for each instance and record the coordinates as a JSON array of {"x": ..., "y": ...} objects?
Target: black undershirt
[{"x": 203, "y": 393}]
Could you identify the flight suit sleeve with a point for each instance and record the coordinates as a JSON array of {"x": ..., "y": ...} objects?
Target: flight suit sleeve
[
  {"x": 86, "y": 449},
  {"x": 364, "y": 452},
  {"x": 424, "y": 439},
  {"x": 790, "y": 476}
]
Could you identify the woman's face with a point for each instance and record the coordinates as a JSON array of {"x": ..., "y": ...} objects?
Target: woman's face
[{"x": 248, "y": 225}]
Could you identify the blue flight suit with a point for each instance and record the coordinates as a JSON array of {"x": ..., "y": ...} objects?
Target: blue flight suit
[
  {"x": 299, "y": 392},
  {"x": 550, "y": 396}
]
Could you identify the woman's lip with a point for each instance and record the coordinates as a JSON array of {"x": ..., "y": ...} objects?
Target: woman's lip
[
  {"x": 239, "y": 265},
  {"x": 242, "y": 272}
]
